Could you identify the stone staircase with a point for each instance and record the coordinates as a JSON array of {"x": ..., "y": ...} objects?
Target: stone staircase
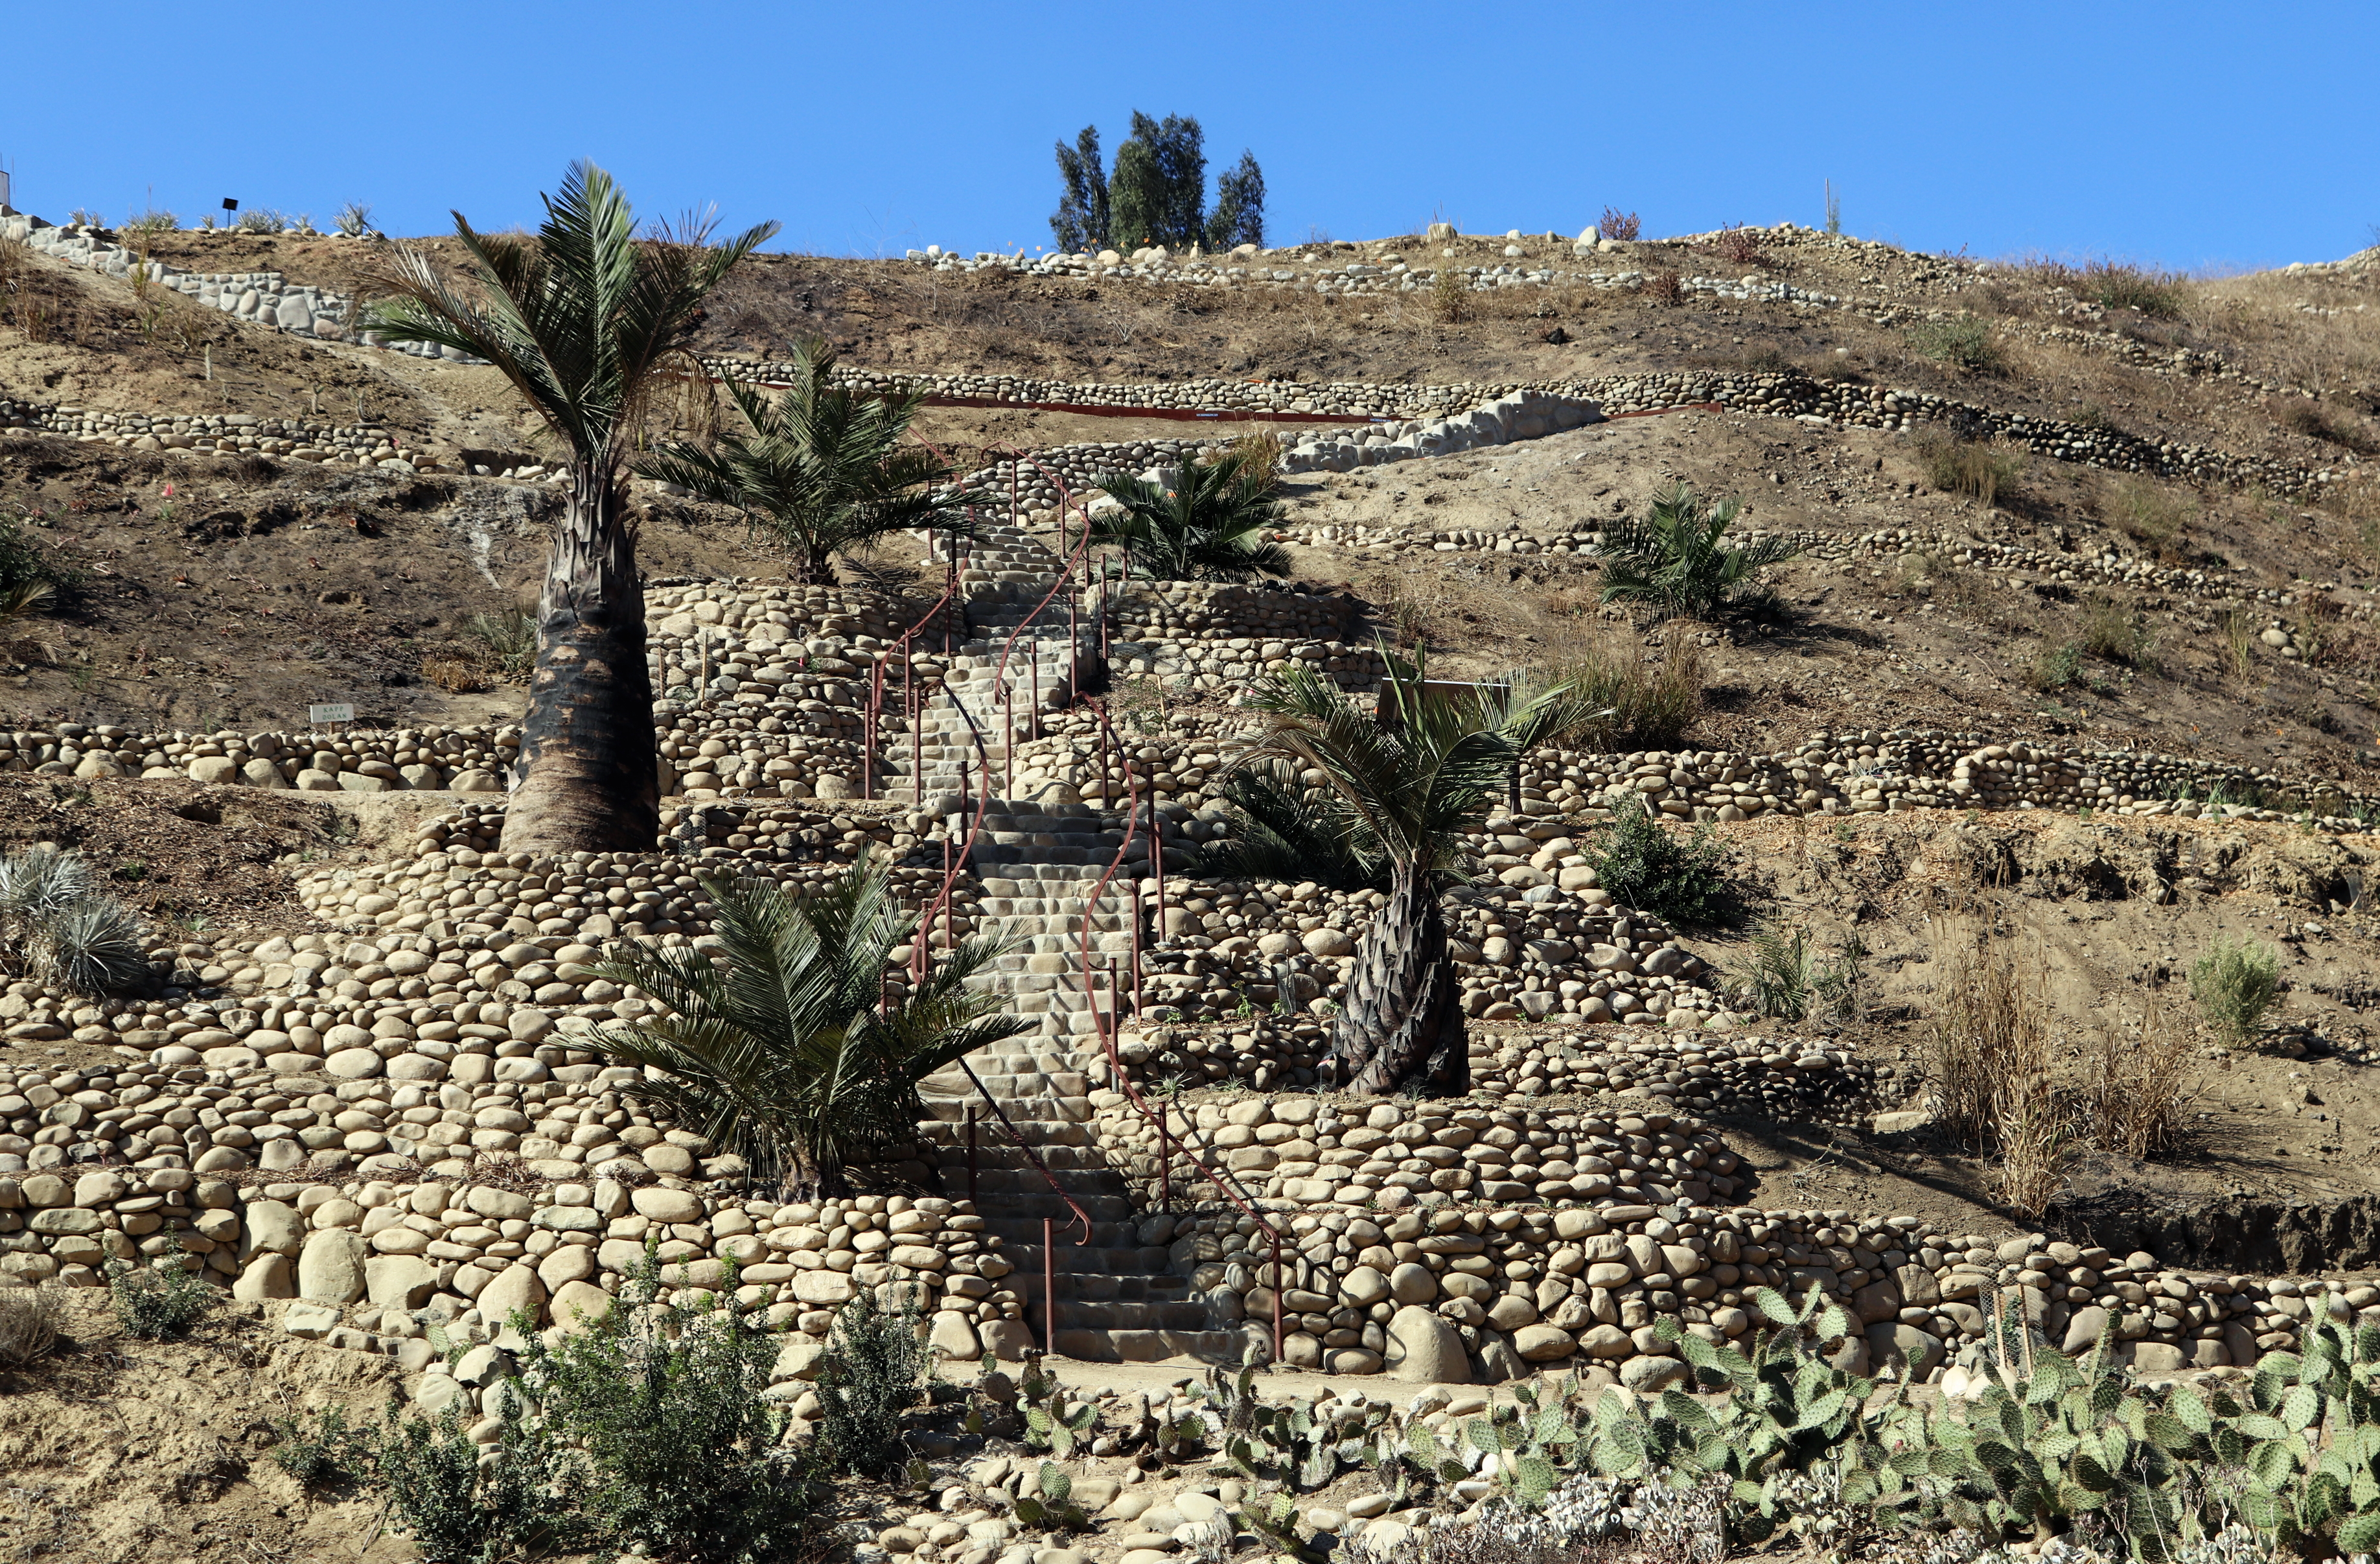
[
  {"x": 1036, "y": 865},
  {"x": 968, "y": 719}
]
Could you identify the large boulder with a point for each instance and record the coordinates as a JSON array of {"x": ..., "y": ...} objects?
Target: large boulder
[
  {"x": 402, "y": 1281},
  {"x": 272, "y": 1228},
  {"x": 266, "y": 1276},
  {"x": 331, "y": 1267},
  {"x": 516, "y": 1289},
  {"x": 1425, "y": 1349},
  {"x": 1542, "y": 1343}
]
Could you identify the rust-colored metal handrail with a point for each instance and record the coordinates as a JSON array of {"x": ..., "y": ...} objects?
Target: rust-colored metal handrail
[
  {"x": 938, "y": 911},
  {"x": 1131, "y": 1092}
]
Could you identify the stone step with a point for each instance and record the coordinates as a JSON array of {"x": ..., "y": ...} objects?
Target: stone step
[{"x": 1136, "y": 1346}]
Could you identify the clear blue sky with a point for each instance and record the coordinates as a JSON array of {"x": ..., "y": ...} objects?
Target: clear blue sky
[{"x": 2189, "y": 134}]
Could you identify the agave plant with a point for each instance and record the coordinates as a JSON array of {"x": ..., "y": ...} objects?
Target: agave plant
[
  {"x": 63, "y": 929},
  {"x": 1677, "y": 559},
  {"x": 780, "y": 1046}
]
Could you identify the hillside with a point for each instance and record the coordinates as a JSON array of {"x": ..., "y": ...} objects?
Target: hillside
[{"x": 2077, "y": 666}]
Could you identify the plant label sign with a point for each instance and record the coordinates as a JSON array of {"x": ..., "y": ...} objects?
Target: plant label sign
[{"x": 330, "y": 711}]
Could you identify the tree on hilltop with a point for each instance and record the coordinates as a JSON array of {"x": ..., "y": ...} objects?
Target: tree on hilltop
[
  {"x": 584, "y": 319},
  {"x": 1156, "y": 192}
]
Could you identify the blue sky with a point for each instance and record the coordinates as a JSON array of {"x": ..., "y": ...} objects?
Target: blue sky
[{"x": 2186, "y": 134}]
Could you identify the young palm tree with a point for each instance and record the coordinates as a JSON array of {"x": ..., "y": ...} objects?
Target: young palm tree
[
  {"x": 1209, "y": 528},
  {"x": 583, "y": 320},
  {"x": 1402, "y": 786},
  {"x": 1676, "y": 558},
  {"x": 778, "y": 1046},
  {"x": 824, "y": 469}
]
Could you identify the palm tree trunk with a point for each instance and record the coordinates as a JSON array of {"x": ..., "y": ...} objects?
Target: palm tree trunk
[
  {"x": 1401, "y": 1026},
  {"x": 587, "y": 780}
]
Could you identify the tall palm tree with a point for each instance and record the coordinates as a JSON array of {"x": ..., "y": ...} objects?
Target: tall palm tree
[
  {"x": 1209, "y": 527},
  {"x": 825, "y": 468},
  {"x": 1677, "y": 558},
  {"x": 1403, "y": 785},
  {"x": 583, "y": 320},
  {"x": 779, "y": 1047}
]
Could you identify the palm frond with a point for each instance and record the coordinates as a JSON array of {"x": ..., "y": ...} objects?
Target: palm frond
[
  {"x": 1677, "y": 558},
  {"x": 777, "y": 1045},
  {"x": 580, "y": 319},
  {"x": 1284, "y": 830},
  {"x": 1209, "y": 527}
]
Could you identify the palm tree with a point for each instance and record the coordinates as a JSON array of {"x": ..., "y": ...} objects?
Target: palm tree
[
  {"x": 824, "y": 469},
  {"x": 779, "y": 1045},
  {"x": 1209, "y": 527},
  {"x": 1401, "y": 788},
  {"x": 583, "y": 320},
  {"x": 1676, "y": 560}
]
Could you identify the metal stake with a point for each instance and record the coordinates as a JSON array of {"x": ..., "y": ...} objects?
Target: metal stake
[
  {"x": 971, "y": 1165},
  {"x": 1276, "y": 1295},
  {"x": 1049, "y": 1291}
]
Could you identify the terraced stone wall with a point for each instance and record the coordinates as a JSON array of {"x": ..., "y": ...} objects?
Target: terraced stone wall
[{"x": 1542, "y": 1236}]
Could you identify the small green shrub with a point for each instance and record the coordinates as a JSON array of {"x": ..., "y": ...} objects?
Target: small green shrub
[
  {"x": 159, "y": 1302},
  {"x": 1674, "y": 876},
  {"x": 1787, "y": 979},
  {"x": 322, "y": 1448},
  {"x": 2058, "y": 667},
  {"x": 464, "y": 1503},
  {"x": 1963, "y": 343},
  {"x": 870, "y": 1378},
  {"x": 679, "y": 1445},
  {"x": 2234, "y": 985},
  {"x": 510, "y": 638}
]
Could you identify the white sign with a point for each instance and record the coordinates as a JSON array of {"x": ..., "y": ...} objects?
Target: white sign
[{"x": 333, "y": 711}]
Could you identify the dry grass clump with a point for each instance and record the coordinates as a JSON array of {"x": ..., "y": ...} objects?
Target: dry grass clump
[
  {"x": 1988, "y": 1063},
  {"x": 2318, "y": 423},
  {"x": 2137, "y": 1098},
  {"x": 1651, "y": 708},
  {"x": 1976, "y": 468},
  {"x": 453, "y": 674},
  {"x": 2153, "y": 517},
  {"x": 1665, "y": 289},
  {"x": 2119, "y": 634},
  {"x": 29, "y": 1325},
  {"x": 1450, "y": 289},
  {"x": 1260, "y": 451}
]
